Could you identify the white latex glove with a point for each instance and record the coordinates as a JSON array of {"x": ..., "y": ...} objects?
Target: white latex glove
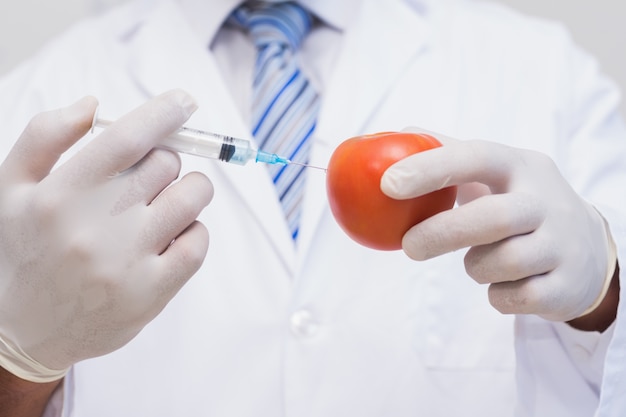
[
  {"x": 95, "y": 249},
  {"x": 543, "y": 249}
]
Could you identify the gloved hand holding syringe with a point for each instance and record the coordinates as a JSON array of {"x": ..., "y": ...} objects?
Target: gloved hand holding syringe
[{"x": 212, "y": 145}]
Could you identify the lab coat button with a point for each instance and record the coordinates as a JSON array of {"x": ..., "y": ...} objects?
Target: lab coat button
[{"x": 303, "y": 324}]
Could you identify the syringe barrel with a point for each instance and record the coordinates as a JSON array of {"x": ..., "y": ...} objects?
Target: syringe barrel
[
  {"x": 210, "y": 145},
  {"x": 200, "y": 143}
]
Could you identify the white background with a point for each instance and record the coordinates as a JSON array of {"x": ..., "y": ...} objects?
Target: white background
[{"x": 598, "y": 25}]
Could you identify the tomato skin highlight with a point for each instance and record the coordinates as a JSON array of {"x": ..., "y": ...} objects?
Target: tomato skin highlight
[{"x": 361, "y": 209}]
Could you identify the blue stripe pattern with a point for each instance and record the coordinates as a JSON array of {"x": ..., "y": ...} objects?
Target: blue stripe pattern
[{"x": 284, "y": 104}]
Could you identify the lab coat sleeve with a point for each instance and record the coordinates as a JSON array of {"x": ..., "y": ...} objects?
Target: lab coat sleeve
[
  {"x": 562, "y": 371},
  {"x": 18, "y": 104},
  {"x": 559, "y": 368},
  {"x": 598, "y": 129},
  {"x": 25, "y": 91},
  {"x": 613, "y": 393}
]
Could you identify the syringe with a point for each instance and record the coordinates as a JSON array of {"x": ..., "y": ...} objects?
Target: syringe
[{"x": 211, "y": 145}]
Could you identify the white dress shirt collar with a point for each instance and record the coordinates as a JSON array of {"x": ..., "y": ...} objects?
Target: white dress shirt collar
[{"x": 206, "y": 17}]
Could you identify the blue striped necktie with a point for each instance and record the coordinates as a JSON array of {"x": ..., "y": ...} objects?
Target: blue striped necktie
[{"x": 284, "y": 104}]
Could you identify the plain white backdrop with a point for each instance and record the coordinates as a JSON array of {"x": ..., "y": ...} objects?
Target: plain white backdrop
[{"x": 598, "y": 25}]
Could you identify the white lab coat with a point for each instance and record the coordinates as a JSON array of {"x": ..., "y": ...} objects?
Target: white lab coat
[{"x": 335, "y": 329}]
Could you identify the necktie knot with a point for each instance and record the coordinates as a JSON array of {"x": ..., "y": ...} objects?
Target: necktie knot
[{"x": 284, "y": 24}]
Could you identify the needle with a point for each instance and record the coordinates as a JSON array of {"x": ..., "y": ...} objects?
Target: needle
[{"x": 306, "y": 165}]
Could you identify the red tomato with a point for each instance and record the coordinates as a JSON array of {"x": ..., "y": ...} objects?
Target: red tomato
[{"x": 353, "y": 186}]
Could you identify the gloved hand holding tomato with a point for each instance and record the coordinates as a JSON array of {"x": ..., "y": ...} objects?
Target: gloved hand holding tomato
[
  {"x": 363, "y": 211},
  {"x": 540, "y": 247}
]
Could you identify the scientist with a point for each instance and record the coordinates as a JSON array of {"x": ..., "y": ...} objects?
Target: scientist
[{"x": 112, "y": 305}]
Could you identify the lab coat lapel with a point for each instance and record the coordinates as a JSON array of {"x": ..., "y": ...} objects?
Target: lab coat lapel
[
  {"x": 374, "y": 53},
  {"x": 181, "y": 61}
]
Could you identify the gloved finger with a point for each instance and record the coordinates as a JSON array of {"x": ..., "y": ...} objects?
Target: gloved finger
[
  {"x": 456, "y": 163},
  {"x": 176, "y": 208},
  {"x": 182, "y": 259},
  {"x": 533, "y": 295},
  {"x": 129, "y": 139},
  {"x": 147, "y": 179},
  {"x": 46, "y": 137},
  {"x": 465, "y": 192},
  {"x": 471, "y": 191},
  {"x": 511, "y": 259},
  {"x": 169, "y": 271},
  {"x": 483, "y": 221}
]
